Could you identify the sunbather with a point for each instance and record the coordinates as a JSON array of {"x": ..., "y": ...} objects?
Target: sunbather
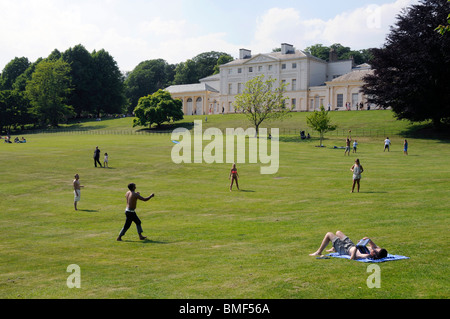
[{"x": 344, "y": 246}]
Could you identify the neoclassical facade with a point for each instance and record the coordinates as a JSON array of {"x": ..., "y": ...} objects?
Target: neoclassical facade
[{"x": 311, "y": 82}]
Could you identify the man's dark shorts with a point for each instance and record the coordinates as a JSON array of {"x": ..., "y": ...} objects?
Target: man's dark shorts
[{"x": 342, "y": 246}]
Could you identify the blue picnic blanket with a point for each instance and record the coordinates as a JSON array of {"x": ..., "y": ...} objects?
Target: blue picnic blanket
[{"x": 368, "y": 260}]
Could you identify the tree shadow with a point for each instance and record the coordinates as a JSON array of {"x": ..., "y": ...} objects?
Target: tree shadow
[
  {"x": 168, "y": 127},
  {"x": 297, "y": 139},
  {"x": 427, "y": 131}
]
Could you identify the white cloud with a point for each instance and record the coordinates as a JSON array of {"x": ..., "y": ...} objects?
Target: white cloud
[
  {"x": 134, "y": 32},
  {"x": 361, "y": 28},
  {"x": 161, "y": 27}
]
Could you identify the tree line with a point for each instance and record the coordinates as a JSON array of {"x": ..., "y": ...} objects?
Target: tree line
[
  {"x": 79, "y": 84},
  {"x": 410, "y": 75}
]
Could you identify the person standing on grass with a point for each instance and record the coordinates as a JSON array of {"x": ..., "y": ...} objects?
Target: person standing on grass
[
  {"x": 234, "y": 177},
  {"x": 347, "y": 145},
  {"x": 105, "y": 161},
  {"x": 76, "y": 190},
  {"x": 130, "y": 212},
  {"x": 357, "y": 170},
  {"x": 97, "y": 157},
  {"x": 355, "y": 144},
  {"x": 387, "y": 144},
  {"x": 405, "y": 147}
]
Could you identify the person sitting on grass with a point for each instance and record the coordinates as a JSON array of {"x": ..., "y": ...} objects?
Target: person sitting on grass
[{"x": 344, "y": 246}]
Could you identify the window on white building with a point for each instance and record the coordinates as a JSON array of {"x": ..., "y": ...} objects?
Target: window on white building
[
  {"x": 283, "y": 66},
  {"x": 294, "y": 103},
  {"x": 260, "y": 68},
  {"x": 230, "y": 88},
  {"x": 294, "y": 84},
  {"x": 270, "y": 67},
  {"x": 294, "y": 65},
  {"x": 239, "y": 70},
  {"x": 340, "y": 100},
  {"x": 239, "y": 88},
  {"x": 250, "y": 69}
]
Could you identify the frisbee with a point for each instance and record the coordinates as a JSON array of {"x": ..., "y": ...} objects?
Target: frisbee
[{"x": 176, "y": 142}]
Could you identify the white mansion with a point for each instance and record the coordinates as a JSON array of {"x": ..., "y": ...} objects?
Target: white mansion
[{"x": 311, "y": 82}]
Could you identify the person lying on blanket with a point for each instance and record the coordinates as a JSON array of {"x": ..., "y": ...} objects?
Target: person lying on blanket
[{"x": 344, "y": 246}]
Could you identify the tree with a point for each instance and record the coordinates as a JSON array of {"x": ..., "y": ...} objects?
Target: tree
[
  {"x": 107, "y": 85},
  {"x": 320, "y": 121},
  {"x": 13, "y": 110},
  {"x": 262, "y": 101},
  {"x": 147, "y": 78},
  {"x": 48, "y": 90},
  {"x": 444, "y": 28},
  {"x": 343, "y": 53},
  {"x": 319, "y": 51},
  {"x": 81, "y": 63},
  {"x": 199, "y": 67},
  {"x": 12, "y": 71},
  {"x": 411, "y": 70},
  {"x": 157, "y": 108},
  {"x": 223, "y": 59}
]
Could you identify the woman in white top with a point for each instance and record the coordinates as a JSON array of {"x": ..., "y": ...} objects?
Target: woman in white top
[{"x": 357, "y": 170}]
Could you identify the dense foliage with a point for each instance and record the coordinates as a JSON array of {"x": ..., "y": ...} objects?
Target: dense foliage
[
  {"x": 411, "y": 70},
  {"x": 157, "y": 108}
]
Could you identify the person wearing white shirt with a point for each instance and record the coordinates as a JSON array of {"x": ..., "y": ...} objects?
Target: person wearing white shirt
[{"x": 387, "y": 144}]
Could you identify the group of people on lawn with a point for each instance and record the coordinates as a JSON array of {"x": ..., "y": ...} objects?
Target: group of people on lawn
[{"x": 341, "y": 243}]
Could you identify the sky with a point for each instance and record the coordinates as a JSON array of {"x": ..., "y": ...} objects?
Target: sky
[{"x": 133, "y": 31}]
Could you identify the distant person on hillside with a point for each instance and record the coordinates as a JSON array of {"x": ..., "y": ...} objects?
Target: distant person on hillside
[
  {"x": 347, "y": 145},
  {"x": 344, "y": 246},
  {"x": 355, "y": 144},
  {"x": 97, "y": 157},
  {"x": 105, "y": 160},
  {"x": 76, "y": 190},
  {"x": 387, "y": 144},
  {"x": 405, "y": 147},
  {"x": 234, "y": 177},
  {"x": 130, "y": 212},
  {"x": 357, "y": 170}
]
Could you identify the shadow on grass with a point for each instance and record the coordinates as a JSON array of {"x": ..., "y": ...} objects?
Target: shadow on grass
[
  {"x": 428, "y": 131},
  {"x": 297, "y": 139},
  {"x": 88, "y": 210},
  {"x": 168, "y": 127},
  {"x": 145, "y": 241},
  {"x": 246, "y": 191},
  {"x": 372, "y": 192}
]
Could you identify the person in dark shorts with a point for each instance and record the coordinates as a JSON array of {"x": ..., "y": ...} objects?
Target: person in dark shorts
[
  {"x": 130, "y": 211},
  {"x": 344, "y": 246}
]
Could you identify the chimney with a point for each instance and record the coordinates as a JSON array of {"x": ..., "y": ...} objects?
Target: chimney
[
  {"x": 333, "y": 56},
  {"x": 287, "y": 48},
  {"x": 245, "y": 54}
]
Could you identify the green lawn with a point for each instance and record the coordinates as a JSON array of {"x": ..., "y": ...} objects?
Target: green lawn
[{"x": 208, "y": 242}]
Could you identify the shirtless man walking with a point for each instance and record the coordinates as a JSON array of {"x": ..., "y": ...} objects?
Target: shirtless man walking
[
  {"x": 130, "y": 212},
  {"x": 76, "y": 190}
]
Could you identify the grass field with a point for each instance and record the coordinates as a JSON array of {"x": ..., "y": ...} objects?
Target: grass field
[{"x": 207, "y": 242}]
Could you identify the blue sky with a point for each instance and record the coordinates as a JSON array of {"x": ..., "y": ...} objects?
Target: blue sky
[{"x": 133, "y": 31}]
